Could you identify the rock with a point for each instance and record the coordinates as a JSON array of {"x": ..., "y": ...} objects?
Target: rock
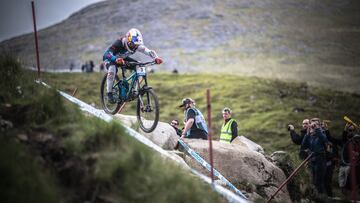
[
  {"x": 164, "y": 135},
  {"x": 245, "y": 142},
  {"x": 179, "y": 159},
  {"x": 5, "y": 124},
  {"x": 241, "y": 165},
  {"x": 22, "y": 137},
  {"x": 220, "y": 182},
  {"x": 43, "y": 137},
  {"x": 298, "y": 109},
  {"x": 283, "y": 161}
]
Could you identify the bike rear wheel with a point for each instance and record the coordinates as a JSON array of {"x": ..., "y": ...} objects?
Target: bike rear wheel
[
  {"x": 106, "y": 105},
  {"x": 147, "y": 110}
]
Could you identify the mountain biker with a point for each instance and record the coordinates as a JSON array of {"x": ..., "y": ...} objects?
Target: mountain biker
[{"x": 118, "y": 54}]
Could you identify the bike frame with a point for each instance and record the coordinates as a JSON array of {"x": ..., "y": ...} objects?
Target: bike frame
[{"x": 134, "y": 78}]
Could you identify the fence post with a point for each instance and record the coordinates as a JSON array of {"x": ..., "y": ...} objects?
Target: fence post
[
  {"x": 209, "y": 134},
  {"x": 36, "y": 38}
]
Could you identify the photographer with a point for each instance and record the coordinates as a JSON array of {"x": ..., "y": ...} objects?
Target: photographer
[
  {"x": 175, "y": 124},
  {"x": 296, "y": 138},
  {"x": 315, "y": 142}
]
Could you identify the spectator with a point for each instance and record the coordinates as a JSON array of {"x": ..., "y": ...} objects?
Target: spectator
[
  {"x": 82, "y": 67},
  {"x": 102, "y": 67},
  {"x": 175, "y": 124},
  {"x": 229, "y": 129},
  {"x": 195, "y": 125},
  {"x": 87, "y": 67},
  {"x": 91, "y": 66},
  {"x": 315, "y": 142},
  {"x": 175, "y": 71},
  {"x": 331, "y": 159},
  {"x": 296, "y": 138},
  {"x": 71, "y": 67},
  {"x": 349, "y": 137},
  {"x": 331, "y": 155}
]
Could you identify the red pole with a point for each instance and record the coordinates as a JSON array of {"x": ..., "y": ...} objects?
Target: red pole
[
  {"x": 209, "y": 134},
  {"x": 36, "y": 38}
]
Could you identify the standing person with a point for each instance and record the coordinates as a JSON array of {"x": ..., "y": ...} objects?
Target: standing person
[
  {"x": 229, "y": 129},
  {"x": 71, "y": 67},
  {"x": 316, "y": 143},
  {"x": 175, "y": 124},
  {"x": 118, "y": 54},
  {"x": 331, "y": 155},
  {"x": 349, "y": 137},
  {"x": 195, "y": 125},
  {"x": 87, "y": 67},
  {"x": 297, "y": 138},
  {"x": 101, "y": 67},
  {"x": 91, "y": 64}
]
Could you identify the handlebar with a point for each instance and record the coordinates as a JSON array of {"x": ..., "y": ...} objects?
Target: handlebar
[{"x": 139, "y": 64}]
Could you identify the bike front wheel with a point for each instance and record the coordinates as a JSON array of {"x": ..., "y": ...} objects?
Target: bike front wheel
[
  {"x": 111, "y": 108},
  {"x": 147, "y": 110}
]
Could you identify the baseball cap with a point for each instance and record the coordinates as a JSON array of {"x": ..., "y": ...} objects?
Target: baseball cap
[{"x": 186, "y": 101}]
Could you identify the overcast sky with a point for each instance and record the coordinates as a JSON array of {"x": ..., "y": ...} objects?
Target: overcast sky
[{"x": 16, "y": 16}]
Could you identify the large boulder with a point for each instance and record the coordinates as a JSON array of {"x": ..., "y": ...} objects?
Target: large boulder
[
  {"x": 243, "y": 141},
  {"x": 282, "y": 160},
  {"x": 164, "y": 135},
  {"x": 244, "y": 167}
]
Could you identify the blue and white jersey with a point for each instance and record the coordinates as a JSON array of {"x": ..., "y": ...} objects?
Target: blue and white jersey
[{"x": 120, "y": 49}]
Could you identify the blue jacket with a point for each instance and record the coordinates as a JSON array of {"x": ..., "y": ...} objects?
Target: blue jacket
[{"x": 315, "y": 143}]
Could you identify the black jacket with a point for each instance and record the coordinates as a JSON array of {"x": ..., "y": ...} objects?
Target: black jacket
[{"x": 296, "y": 138}]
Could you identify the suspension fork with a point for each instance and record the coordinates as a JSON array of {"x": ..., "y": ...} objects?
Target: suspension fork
[{"x": 147, "y": 95}]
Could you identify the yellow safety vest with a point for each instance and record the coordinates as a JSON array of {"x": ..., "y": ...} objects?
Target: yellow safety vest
[{"x": 226, "y": 133}]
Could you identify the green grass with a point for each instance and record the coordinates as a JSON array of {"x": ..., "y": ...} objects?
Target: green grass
[
  {"x": 262, "y": 107},
  {"x": 121, "y": 168},
  {"x": 23, "y": 180}
]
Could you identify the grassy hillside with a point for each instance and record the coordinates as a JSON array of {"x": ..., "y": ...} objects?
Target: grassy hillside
[
  {"x": 296, "y": 40},
  {"x": 51, "y": 152},
  {"x": 262, "y": 107}
]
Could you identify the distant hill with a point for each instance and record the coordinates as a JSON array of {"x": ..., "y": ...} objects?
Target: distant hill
[{"x": 303, "y": 40}]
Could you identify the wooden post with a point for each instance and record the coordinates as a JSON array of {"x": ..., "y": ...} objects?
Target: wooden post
[{"x": 74, "y": 92}]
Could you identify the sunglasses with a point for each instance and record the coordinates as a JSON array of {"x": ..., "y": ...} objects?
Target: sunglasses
[{"x": 172, "y": 123}]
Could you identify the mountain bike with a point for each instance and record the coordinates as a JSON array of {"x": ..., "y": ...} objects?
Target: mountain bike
[{"x": 133, "y": 87}]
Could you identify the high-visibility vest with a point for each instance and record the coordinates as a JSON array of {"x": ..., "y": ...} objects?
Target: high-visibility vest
[{"x": 226, "y": 132}]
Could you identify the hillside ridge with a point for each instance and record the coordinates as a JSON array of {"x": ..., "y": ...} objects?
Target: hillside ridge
[{"x": 313, "y": 41}]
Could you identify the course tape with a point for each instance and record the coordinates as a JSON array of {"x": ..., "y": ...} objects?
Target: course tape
[
  {"x": 206, "y": 165},
  {"x": 230, "y": 196}
]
